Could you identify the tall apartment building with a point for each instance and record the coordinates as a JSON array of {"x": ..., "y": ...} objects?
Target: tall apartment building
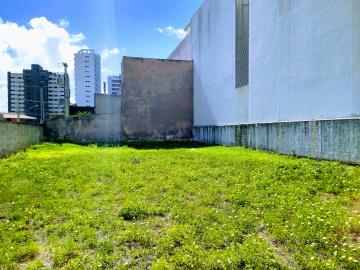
[
  {"x": 56, "y": 93},
  {"x": 87, "y": 77},
  {"x": 114, "y": 85},
  {"x": 36, "y": 91},
  {"x": 16, "y": 92}
]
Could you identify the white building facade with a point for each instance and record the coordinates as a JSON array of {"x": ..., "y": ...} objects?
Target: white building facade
[
  {"x": 301, "y": 60},
  {"x": 56, "y": 93},
  {"x": 278, "y": 75},
  {"x": 16, "y": 92},
  {"x": 114, "y": 85},
  {"x": 87, "y": 77}
]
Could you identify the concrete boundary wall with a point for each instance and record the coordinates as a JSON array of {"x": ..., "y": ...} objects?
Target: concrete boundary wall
[
  {"x": 18, "y": 136},
  {"x": 95, "y": 128},
  {"x": 222, "y": 135},
  {"x": 324, "y": 139}
]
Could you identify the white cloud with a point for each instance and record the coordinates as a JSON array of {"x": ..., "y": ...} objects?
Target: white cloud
[
  {"x": 3, "y": 98},
  {"x": 105, "y": 72},
  {"x": 172, "y": 31},
  {"x": 40, "y": 42},
  {"x": 77, "y": 38},
  {"x": 1, "y": 20},
  {"x": 64, "y": 23},
  {"x": 108, "y": 53}
]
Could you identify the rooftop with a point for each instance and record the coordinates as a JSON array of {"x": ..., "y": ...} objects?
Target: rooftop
[{"x": 9, "y": 116}]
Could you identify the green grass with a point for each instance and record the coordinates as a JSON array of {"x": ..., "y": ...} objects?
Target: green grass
[{"x": 87, "y": 207}]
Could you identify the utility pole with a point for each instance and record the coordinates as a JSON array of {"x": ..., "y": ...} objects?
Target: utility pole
[
  {"x": 66, "y": 94},
  {"x": 17, "y": 109},
  {"x": 42, "y": 116}
]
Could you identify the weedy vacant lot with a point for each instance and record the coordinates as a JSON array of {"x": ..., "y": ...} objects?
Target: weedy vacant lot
[{"x": 74, "y": 207}]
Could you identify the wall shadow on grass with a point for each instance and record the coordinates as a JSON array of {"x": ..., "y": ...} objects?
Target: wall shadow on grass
[{"x": 141, "y": 145}]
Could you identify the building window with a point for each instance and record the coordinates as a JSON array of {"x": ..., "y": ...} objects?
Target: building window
[{"x": 242, "y": 43}]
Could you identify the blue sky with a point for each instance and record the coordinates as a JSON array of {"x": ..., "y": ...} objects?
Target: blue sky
[{"x": 112, "y": 27}]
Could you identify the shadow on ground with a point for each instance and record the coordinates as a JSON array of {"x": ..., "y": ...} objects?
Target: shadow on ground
[
  {"x": 142, "y": 144},
  {"x": 163, "y": 144}
]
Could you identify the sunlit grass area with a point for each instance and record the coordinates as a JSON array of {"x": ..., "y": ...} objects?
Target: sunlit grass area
[{"x": 88, "y": 207}]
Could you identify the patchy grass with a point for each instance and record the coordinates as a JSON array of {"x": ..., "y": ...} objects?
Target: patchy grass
[{"x": 76, "y": 207}]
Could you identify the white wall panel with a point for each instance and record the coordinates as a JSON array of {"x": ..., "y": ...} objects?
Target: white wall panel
[
  {"x": 304, "y": 61},
  {"x": 301, "y": 60},
  {"x": 213, "y": 37}
]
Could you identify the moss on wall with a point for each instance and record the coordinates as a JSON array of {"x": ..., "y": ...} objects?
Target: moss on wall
[{"x": 18, "y": 136}]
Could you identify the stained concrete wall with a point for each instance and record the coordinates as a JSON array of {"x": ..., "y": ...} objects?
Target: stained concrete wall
[
  {"x": 105, "y": 103},
  {"x": 18, "y": 136},
  {"x": 96, "y": 128},
  {"x": 157, "y": 99},
  {"x": 325, "y": 139},
  {"x": 221, "y": 135}
]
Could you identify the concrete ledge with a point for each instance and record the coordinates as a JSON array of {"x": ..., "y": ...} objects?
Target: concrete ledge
[
  {"x": 18, "y": 136},
  {"x": 324, "y": 139}
]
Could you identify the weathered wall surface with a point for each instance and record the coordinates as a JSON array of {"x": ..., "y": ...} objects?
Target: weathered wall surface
[
  {"x": 107, "y": 103},
  {"x": 97, "y": 128},
  {"x": 304, "y": 59},
  {"x": 18, "y": 136},
  {"x": 157, "y": 99},
  {"x": 183, "y": 51},
  {"x": 221, "y": 135},
  {"x": 325, "y": 139}
]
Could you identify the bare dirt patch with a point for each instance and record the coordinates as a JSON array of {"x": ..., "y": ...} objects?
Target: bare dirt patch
[
  {"x": 354, "y": 210},
  {"x": 286, "y": 259}
]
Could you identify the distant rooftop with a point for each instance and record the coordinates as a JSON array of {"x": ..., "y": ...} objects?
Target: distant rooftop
[
  {"x": 13, "y": 116},
  {"x": 86, "y": 51}
]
